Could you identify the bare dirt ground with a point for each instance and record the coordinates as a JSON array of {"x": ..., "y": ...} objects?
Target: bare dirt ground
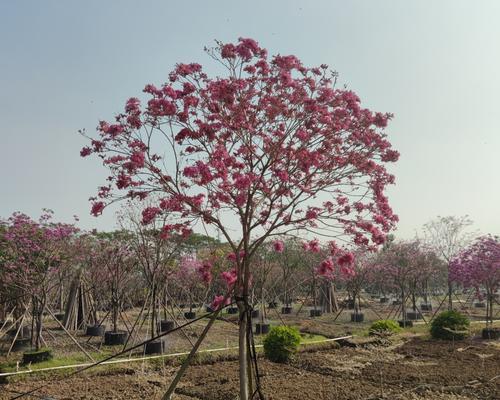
[{"x": 415, "y": 369}]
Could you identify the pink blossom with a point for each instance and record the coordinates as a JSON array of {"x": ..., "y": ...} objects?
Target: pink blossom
[
  {"x": 279, "y": 246},
  {"x": 97, "y": 208},
  {"x": 347, "y": 272},
  {"x": 138, "y": 159},
  {"x": 218, "y": 302},
  {"x": 282, "y": 175},
  {"x": 312, "y": 213},
  {"x": 325, "y": 269},
  {"x": 230, "y": 277},
  {"x": 85, "y": 151},
  {"x": 205, "y": 270},
  {"x": 346, "y": 259},
  {"x": 149, "y": 214},
  {"x": 313, "y": 246}
]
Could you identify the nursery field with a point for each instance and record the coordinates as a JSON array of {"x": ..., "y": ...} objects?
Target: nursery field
[
  {"x": 408, "y": 368},
  {"x": 409, "y": 365},
  {"x": 248, "y": 243}
]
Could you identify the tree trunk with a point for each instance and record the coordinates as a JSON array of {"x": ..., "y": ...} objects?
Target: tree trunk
[
  {"x": 314, "y": 295},
  {"x": 39, "y": 315},
  {"x": 328, "y": 301},
  {"x": 450, "y": 294},
  {"x": 61, "y": 296},
  {"x": 115, "y": 312},
  {"x": 403, "y": 306},
  {"x": 153, "y": 314},
  {"x": 426, "y": 289},
  {"x": 243, "y": 352},
  {"x": 489, "y": 306}
]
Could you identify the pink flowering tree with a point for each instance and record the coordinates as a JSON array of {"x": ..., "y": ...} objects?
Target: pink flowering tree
[
  {"x": 355, "y": 275},
  {"x": 270, "y": 145},
  {"x": 478, "y": 267},
  {"x": 266, "y": 274},
  {"x": 113, "y": 269},
  {"x": 192, "y": 278},
  {"x": 7, "y": 293},
  {"x": 155, "y": 255},
  {"x": 397, "y": 263},
  {"x": 288, "y": 255},
  {"x": 36, "y": 250},
  {"x": 427, "y": 266}
]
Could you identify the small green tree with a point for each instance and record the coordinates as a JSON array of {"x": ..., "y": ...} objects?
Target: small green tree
[
  {"x": 450, "y": 325},
  {"x": 281, "y": 343},
  {"x": 384, "y": 326}
]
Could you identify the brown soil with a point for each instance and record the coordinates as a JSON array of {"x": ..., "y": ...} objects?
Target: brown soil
[{"x": 418, "y": 370}]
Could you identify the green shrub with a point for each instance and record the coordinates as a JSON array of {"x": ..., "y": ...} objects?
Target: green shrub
[
  {"x": 385, "y": 326},
  {"x": 281, "y": 343},
  {"x": 450, "y": 325}
]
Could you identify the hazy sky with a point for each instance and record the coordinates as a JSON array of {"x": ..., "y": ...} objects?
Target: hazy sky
[{"x": 64, "y": 65}]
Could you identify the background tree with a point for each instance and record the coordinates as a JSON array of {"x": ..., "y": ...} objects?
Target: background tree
[
  {"x": 289, "y": 256},
  {"x": 116, "y": 264},
  {"x": 478, "y": 267},
  {"x": 36, "y": 251},
  {"x": 155, "y": 254},
  {"x": 448, "y": 236},
  {"x": 270, "y": 148},
  {"x": 356, "y": 275},
  {"x": 397, "y": 263}
]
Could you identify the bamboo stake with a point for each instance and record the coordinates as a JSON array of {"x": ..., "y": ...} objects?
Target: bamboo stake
[{"x": 70, "y": 335}]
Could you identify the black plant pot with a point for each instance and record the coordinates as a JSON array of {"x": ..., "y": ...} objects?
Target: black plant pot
[
  {"x": 359, "y": 317},
  {"x": 262, "y": 328},
  {"x": 405, "y": 324},
  {"x": 396, "y": 302},
  {"x": 413, "y": 315},
  {"x": 115, "y": 338},
  {"x": 95, "y": 330},
  {"x": 59, "y": 316},
  {"x": 190, "y": 315},
  {"x": 384, "y": 300},
  {"x": 155, "y": 347},
  {"x": 166, "y": 325},
  {"x": 7, "y": 323},
  {"x": 209, "y": 309},
  {"x": 32, "y": 357},
  {"x": 490, "y": 333},
  {"x": 315, "y": 313},
  {"x": 232, "y": 310},
  {"x": 255, "y": 313},
  {"x": 273, "y": 304},
  {"x": 426, "y": 307},
  {"x": 25, "y": 331},
  {"x": 480, "y": 304},
  {"x": 21, "y": 343},
  {"x": 286, "y": 310}
]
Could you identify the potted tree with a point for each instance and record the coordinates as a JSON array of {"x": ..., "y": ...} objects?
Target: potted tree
[
  {"x": 118, "y": 263},
  {"x": 37, "y": 250},
  {"x": 478, "y": 267}
]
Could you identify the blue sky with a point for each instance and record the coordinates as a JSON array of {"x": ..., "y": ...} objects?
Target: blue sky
[{"x": 64, "y": 65}]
